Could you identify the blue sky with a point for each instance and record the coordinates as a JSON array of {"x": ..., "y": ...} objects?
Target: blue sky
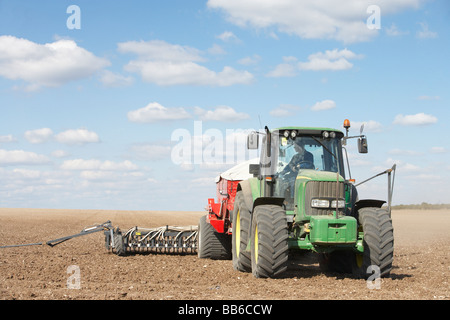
[{"x": 91, "y": 117}]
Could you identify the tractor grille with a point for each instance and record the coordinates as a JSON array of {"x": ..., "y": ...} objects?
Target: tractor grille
[{"x": 322, "y": 190}]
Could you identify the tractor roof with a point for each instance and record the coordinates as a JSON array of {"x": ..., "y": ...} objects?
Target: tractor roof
[{"x": 309, "y": 130}]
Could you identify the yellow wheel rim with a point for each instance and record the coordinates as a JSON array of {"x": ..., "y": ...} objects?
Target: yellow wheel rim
[
  {"x": 359, "y": 260},
  {"x": 237, "y": 231},
  {"x": 256, "y": 244}
]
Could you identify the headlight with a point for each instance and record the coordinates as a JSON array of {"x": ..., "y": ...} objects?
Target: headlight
[
  {"x": 341, "y": 204},
  {"x": 286, "y": 134},
  {"x": 320, "y": 203}
]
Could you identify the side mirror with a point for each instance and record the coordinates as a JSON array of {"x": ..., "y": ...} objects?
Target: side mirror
[
  {"x": 362, "y": 145},
  {"x": 254, "y": 170},
  {"x": 268, "y": 142},
  {"x": 252, "y": 141}
]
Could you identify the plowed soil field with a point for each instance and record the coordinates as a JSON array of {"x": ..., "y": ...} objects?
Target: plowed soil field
[{"x": 421, "y": 263}]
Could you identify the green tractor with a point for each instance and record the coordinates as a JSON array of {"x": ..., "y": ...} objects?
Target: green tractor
[{"x": 300, "y": 199}]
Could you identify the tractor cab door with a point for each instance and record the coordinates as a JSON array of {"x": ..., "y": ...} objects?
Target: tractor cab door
[{"x": 274, "y": 159}]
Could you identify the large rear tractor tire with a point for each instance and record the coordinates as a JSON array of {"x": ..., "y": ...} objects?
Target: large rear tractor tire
[
  {"x": 270, "y": 251},
  {"x": 241, "y": 226},
  {"x": 211, "y": 244},
  {"x": 378, "y": 252}
]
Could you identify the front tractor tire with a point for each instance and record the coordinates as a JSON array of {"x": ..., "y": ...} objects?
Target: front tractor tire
[
  {"x": 212, "y": 244},
  {"x": 241, "y": 226},
  {"x": 269, "y": 241},
  {"x": 378, "y": 242}
]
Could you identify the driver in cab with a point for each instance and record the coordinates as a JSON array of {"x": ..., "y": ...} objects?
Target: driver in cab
[{"x": 302, "y": 159}]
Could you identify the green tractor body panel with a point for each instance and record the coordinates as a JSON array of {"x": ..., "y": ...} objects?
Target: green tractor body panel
[
  {"x": 255, "y": 186},
  {"x": 326, "y": 234},
  {"x": 325, "y": 230}
]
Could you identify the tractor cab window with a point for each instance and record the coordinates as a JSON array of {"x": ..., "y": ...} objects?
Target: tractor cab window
[
  {"x": 300, "y": 155},
  {"x": 307, "y": 153}
]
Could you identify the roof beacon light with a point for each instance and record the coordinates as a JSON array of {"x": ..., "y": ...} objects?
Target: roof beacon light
[{"x": 346, "y": 124}]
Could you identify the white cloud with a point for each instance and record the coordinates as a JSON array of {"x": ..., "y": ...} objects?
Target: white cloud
[
  {"x": 72, "y": 136},
  {"x": 284, "y": 110},
  {"x": 330, "y": 60},
  {"x": 59, "y": 154},
  {"x": 151, "y": 151},
  {"x": 155, "y": 112},
  {"x": 113, "y": 80},
  {"x": 221, "y": 113},
  {"x": 324, "y": 105},
  {"x": 216, "y": 50},
  {"x": 309, "y": 19},
  {"x": 286, "y": 69},
  {"x": 227, "y": 36},
  {"x": 438, "y": 150},
  {"x": 251, "y": 60},
  {"x": 402, "y": 152},
  {"x": 166, "y": 73},
  {"x": 429, "y": 97},
  {"x": 38, "y": 135},
  {"x": 28, "y": 174},
  {"x": 161, "y": 51},
  {"x": 214, "y": 149},
  {"x": 369, "y": 126},
  {"x": 21, "y": 157},
  {"x": 77, "y": 136},
  {"x": 283, "y": 70},
  {"x": 393, "y": 31},
  {"x": 166, "y": 64},
  {"x": 6, "y": 139},
  {"x": 50, "y": 64},
  {"x": 425, "y": 33},
  {"x": 99, "y": 175},
  {"x": 418, "y": 119},
  {"x": 110, "y": 176},
  {"x": 333, "y": 60},
  {"x": 403, "y": 166},
  {"x": 95, "y": 164}
]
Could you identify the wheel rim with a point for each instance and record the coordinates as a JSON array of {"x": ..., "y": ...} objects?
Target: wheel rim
[
  {"x": 256, "y": 244},
  {"x": 237, "y": 231},
  {"x": 359, "y": 260}
]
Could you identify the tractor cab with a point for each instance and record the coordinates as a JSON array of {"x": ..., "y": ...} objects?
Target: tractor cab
[{"x": 290, "y": 157}]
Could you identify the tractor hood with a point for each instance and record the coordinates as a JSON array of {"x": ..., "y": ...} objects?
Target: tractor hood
[{"x": 310, "y": 174}]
